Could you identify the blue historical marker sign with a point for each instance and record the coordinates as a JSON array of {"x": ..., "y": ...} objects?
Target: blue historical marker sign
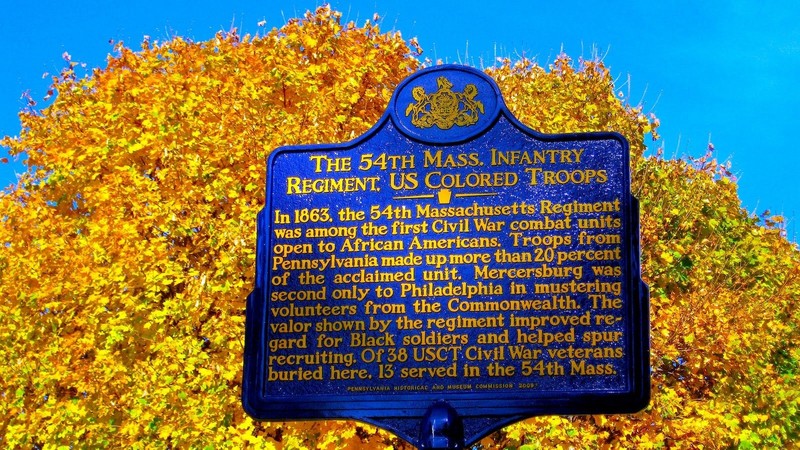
[{"x": 450, "y": 267}]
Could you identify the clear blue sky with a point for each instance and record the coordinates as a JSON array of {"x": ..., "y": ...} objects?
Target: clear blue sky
[{"x": 727, "y": 70}]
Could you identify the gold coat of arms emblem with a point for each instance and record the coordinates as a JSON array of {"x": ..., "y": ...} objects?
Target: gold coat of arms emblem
[{"x": 444, "y": 108}]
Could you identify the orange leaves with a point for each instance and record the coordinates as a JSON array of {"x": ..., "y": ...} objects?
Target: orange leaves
[
  {"x": 128, "y": 249},
  {"x": 569, "y": 99},
  {"x": 721, "y": 309}
]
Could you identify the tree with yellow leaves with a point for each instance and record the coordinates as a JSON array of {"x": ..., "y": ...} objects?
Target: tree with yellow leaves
[{"x": 128, "y": 250}]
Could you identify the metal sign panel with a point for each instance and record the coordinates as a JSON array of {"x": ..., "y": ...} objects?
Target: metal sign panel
[{"x": 450, "y": 265}]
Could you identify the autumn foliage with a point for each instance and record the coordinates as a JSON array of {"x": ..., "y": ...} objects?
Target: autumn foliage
[{"x": 128, "y": 250}]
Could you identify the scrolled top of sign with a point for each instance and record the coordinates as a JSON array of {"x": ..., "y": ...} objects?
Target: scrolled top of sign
[
  {"x": 443, "y": 105},
  {"x": 449, "y": 254}
]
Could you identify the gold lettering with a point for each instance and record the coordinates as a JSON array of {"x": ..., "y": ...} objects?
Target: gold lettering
[{"x": 297, "y": 185}]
